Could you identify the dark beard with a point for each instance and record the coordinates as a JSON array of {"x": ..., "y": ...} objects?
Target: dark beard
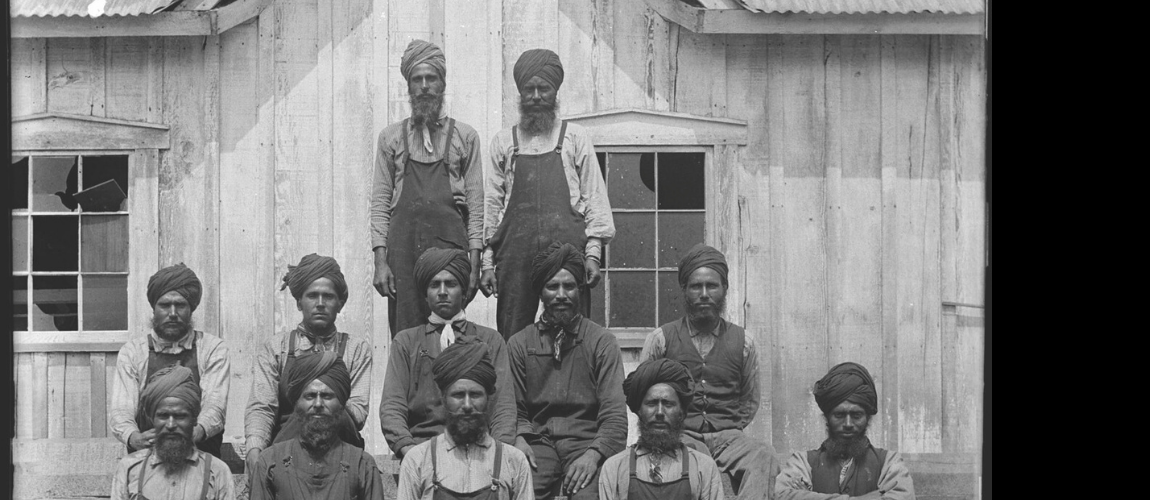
[
  {"x": 425, "y": 110},
  {"x": 158, "y": 327},
  {"x": 660, "y": 441},
  {"x": 467, "y": 428},
  {"x": 694, "y": 315},
  {"x": 538, "y": 120},
  {"x": 173, "y": 450},
  {"x": 319, "y": 435},
  {"x": 846, "y": 448}
]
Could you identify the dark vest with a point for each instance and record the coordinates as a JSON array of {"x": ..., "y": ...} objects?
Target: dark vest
[
  {"x": 862, "y": 478},
  {"x": 715, "y": 405}
]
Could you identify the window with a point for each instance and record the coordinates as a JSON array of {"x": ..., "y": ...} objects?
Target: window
[
  {"x": 70, "y": 228},
  {"x": 657, "y": 200}
]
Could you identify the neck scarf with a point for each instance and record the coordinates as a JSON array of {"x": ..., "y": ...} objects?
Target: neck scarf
[
  {"x": 548, "y": 323},
  {"x": 447, "y": 335}
]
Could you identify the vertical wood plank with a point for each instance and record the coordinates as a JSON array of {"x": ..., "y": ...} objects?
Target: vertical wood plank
[
  {"x": 700, "y": 83},
  {"x": 25, "y": 396},
  {"x": 98, "y": 406},
  {"x": 753, "y": 185},
  {"x": 641, "y": 57},
  {"x": 29, "y": 76},
  {"x": 40, "y": 395},
  {"x": 603, "y": 54},
  {"x": 383, "y": 79},
  {"x": 109, "y": 381},
  {"x": 888, "y": 380},
  {"x": 77, "y": 389},
  {"x": 746, "y": 85},
  {"x": 72, "y": 75},
  {"x": 98, "y": 94},
  {"x": 527, "y": 24},
  {"x": 127, "y": 80},
  {"x": 143, "y": 205},
  {"x": 325, "y": 82},
  {"x": 155, "y": 79},
  {"x": 576, "y": 44},
  {"x": 55, "y": 388}
]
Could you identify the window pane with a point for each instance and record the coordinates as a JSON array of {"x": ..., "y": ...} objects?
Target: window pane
[
  {"x": 20, "y": 243},
  {"x": 109, "y": 176},
  {"x": 19, "y": 182},
  {"x": 670, "y": 297},
  {"x": 599, "y": 301},
  {"x": 20, "y": 303},
  {"x": 631, "y": 180},
  {"x": 634, "y": 245},
  {"x": 105, "y": 243},
  {"x": 54, "y": 243},
  {"x": 105, "y": 303},
  {"x": 678, "y": 232},
  {"x": 681, "y": 181},
  {"x": 632, "y": 297},
  {"x": 54, "y": 299},
  {"x": 602, "y": 157},
  {"x": 53, "y": 183}
]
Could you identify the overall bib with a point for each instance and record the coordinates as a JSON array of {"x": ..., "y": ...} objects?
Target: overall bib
[
  {"x": 638, "y": 489},
  {"x": 286, "y": 427},
  {"x": 300, "y": 477},
  {"x": 186, "y": 358},
  {"x": 425, "y": 216},
  {"x": 442, "y": 493},
  {"x": 538, "y": 213},
  {"x": 144, "y": 470}
]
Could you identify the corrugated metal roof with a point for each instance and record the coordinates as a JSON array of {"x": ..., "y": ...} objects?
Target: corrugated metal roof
[
  {"x": 94, "y": 8},
  {"x": 865, "y": 6}
]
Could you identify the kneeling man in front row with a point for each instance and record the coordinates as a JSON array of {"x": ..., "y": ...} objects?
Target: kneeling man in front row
[
  {"x": 465, "y": 461},
  {"x": 172, "y": 467},
  {"x": 660, "y": 466},
  {"x": 846, "y": 466},
  {"x": 316, "y": 463}
]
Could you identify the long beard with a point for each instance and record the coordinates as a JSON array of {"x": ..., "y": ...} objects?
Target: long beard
[
  {"x": 161, "y": 326},
  {"x": 539, "y": 119},
  {"x": 696, "y": 313},
  {"x": 845, "y": 448},
  {"x": 173, "y": 450},
  {"x": 319, "y": 434},
  {"x": 425, "y": 109},
  {"x": 467, "y": 428},
  {"x": 660, "y": 441}
]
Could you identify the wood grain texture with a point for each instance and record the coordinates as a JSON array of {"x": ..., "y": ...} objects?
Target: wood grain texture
[
  {"x": 98, "y": 405},
  {"x": 887, "y": 380},
  {"x": 127, "y": 84},
  {"x": 753, "y": 183},
  {"x": 40, "y": 395},
  {"x": 77, "y": 388},
  {"x": 29, "y": 76},
  {"x": 576, "y": 46},
  {"x": 700, "y": 80},
  {"x": 25, "y": 382},
  {"x": 642, "y": 66},
  {"x": 73, "y": 83},
  {"x": 144, "y": 236},
  {"x": 55, "y": 389}
]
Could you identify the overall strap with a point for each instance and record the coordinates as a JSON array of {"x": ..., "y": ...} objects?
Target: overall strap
[
  {"x": 291, "y": 344},
  {"x": 505, "y": 164},
  {"x": 143, "y": 470},
  {"x": 498, "y": 462},
  {"x": 151, "y": 345},
  {"x": 406, "y": 140},
  {"x": 341, "y": 345},
  {"x": 450, "y": 132},
  {"x": 633, "y": 459},
  {"x": 207, "y": 474},
  {"x": 434, "y": 466},
  {"x": 686, "y": 462},
  {"x": 562, "y": 134}
]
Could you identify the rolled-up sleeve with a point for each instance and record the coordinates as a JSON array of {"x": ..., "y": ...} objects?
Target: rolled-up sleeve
[
  {"x": 612, "y": 435},
  {"x": 126, "y": 391},
  {"x": 496, "y": 189},
  {"x": 360, "y": 367},
  {"x": 381, "y": 190},
  {"x": 472, "y": 164},
  {"x": 654, "y": 346},
  {"x": 592, "y": 194},
  {"x": 215, "y": 380},
  {"x": 263, "y": 402},
  {"x": 749, "y": 392}
]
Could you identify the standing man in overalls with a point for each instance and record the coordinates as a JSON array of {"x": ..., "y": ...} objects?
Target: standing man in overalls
[
  {"x": 544, "y": 185},
  {"x": 174, "y": 293},
  {"x": 427, "y": 190},
  {"x": 320, "y": 292}
]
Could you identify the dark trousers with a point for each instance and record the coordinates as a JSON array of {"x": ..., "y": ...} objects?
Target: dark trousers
[
  {"x": 750, "y": 462},
  {"x": 553, "y": 458}
]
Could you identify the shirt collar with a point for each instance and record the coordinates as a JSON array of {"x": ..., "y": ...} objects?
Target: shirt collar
[
  {"x": 485, "y": 442},
  {"x": 694, "y": 333},
  {"x": 176, "y": 347},
  {"x": 193, "y": 457},
  {"x": 639, "y": 452},
  {"x": 304, "y": 339}
]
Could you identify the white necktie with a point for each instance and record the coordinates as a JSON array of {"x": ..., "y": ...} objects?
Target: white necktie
[{"x": 448, "y": 335}]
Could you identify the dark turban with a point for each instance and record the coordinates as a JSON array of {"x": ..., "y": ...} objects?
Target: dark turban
[
  {"x": 170, "y": 382},
  {"x": 418, "y": 52},
  {"x": 538, "y": 62},
  {"x": 434, "y": 260},
  {"x": 177, "y": 278},
  {"x": 313, "y": 267},
  {"x": 698, "y": 256},
  {"x": 846, "y": 382},
  {"x": 656, "y": 371},
  {"x": 549, "y": 262},
  {"x": 326, "y": 367},
  {"x": 464, "y": 360}
]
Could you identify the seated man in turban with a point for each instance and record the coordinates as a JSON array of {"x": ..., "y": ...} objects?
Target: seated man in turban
[
  {"x": 660, "y": 466},
  {"x": 320, "y": 291},
  {"x": 846, "y": 465},
  {"x": 568, "y": 383},
  {"x": 543, "y": 185},
  {"x": 725, "y": 367},
  {"x": 427, "y": 189},
  {"x": 411, "y": 410},
  {"x": 316, "y": 462},
  {"x": 466, "y": 461},
  {"x": 174, "y": 293},
  {"x": 171, "y": 466}
]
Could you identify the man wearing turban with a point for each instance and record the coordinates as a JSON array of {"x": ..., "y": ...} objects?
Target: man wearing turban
[
  {"x": 659, "y": 465},
  {"x": 723, "y": 361},
  {"x": 544, "y": 185},
  {"x": 171, "y": 466},
  {"x": 174, "y": 293},
  {"x": 846, "y": 465},
  {"x": 311, "y": 457},
  {"x": 427, "y": 190},
  {"x": 411, "y": 410},
  {"x": 465, "y": 461},
  {"x": 568, "y": 383},
  {"x": 320, "y": 291}
]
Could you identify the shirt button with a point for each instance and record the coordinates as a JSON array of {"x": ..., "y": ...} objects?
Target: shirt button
[{"x": 702, "y": 381}]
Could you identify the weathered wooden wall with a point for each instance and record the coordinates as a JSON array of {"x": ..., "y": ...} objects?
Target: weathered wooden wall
[{"x": 853, "y": 215}]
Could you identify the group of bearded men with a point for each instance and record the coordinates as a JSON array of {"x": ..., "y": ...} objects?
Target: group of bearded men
[{"x": 534, "y": 408}]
